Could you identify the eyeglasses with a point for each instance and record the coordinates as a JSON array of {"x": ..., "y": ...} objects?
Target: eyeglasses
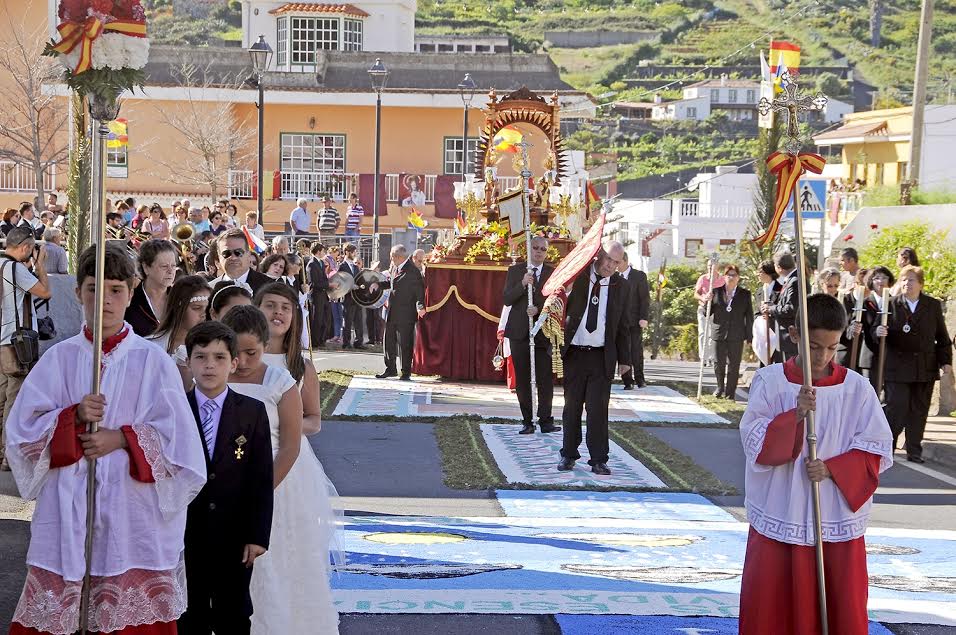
[
  {"x": 731, "y": 275},
  {"x": 229, "y": 253}
]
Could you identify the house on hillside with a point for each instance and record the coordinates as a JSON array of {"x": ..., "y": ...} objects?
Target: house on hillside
[
  {"x": 319, "y": 114},
  {"x": 874, "y": 147},
  {"x": 737, "y": 98}
]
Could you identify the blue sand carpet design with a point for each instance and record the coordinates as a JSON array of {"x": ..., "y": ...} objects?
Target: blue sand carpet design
[
  {"x": 531, "y": 459},
  {"x": 627, "y": 505},
  {"x": 426, "y": 397},
  {"x": 602, "y": 566},
  {"x": 628, "y": 625}
]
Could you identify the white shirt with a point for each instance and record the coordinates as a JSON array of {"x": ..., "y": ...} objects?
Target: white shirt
[
  {"x": 224, "y": 277},
  {"x": 625, "y": 273},
  {"x": 299, "y": 220},
  {"x": 8, "y": 312},
  {"x": 201, "y": 398},
  {"x": 582, "y": 337},
  {"x": 912, "y": 304}
]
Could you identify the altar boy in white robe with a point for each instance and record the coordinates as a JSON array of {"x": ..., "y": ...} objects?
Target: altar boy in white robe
[
  {"x": 779, "y": 586},
  {"x": 149, "y": 466}
]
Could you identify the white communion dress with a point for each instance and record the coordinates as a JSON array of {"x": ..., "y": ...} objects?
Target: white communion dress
[{"x": 290, "y": 583}]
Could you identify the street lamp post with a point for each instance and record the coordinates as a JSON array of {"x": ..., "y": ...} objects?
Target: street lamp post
[
  {"x": 466, "y": 88},
  {"x": 261, "y": 54},
  {"x": 379, "y": 76}
]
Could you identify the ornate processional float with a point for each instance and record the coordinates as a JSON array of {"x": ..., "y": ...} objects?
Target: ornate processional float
[{"x": 501, "y": 206}]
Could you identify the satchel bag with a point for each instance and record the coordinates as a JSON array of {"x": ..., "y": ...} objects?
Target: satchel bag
[
  {"x": 45, "y": 325},
  {"x": 23, "y": 351}
]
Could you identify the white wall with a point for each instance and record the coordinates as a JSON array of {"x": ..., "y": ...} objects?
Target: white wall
[
  {"x": 835, "y": 110},
  {"x": 939, "y": 137},
  {"x": 390, "y": 26}
]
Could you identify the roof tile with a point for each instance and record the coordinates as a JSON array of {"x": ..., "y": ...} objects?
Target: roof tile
[{"x": 317, "y": 7}]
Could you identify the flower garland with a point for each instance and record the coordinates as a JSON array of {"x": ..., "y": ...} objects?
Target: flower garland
[
  {"x": 494, "y": 242},
  {"x": 102, "y": 45}
]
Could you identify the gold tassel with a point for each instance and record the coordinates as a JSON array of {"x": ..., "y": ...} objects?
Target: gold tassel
[{"x": 554, "y": 330}]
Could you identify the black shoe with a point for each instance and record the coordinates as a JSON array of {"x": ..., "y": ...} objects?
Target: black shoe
[
  {"x": 406, "y": 378},
  {"x": 345, "y": 346},
  {"x": 360, "y": 347},
  {"x": 731, "y": 397},
  {"x": 628, "y": 386},
  {"x": 915, "y": 459},
  {"x": 386, "y": 374},
  {"x": 718, "y": 393},
  {"x": 566, "y": 465},
  {"x": 549, "y": 427},
  {"x": 641, "y": 384},
  {"x": 527, "y": 428},
  {"x": 600, "y": 468}
]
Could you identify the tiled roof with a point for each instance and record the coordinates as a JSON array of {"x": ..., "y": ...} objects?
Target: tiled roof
[
  {"x": 854, "y": 131},
  {"x": 316, "y": 7}
]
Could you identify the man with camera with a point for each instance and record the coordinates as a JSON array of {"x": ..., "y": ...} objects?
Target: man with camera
[{"x": 18, "y": 322}]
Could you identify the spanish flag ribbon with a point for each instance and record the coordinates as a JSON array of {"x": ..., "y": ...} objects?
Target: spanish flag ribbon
[
  {"x": 788, "y": 168},
  {"x": 82, "y": 34}
]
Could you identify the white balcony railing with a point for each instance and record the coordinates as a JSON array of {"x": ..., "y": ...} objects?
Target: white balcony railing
[
  {"x": 17, "y": 177},
  {"x": 687, "y": 208},
  {"x": 314, "y": 185},
  {"x": 241, "y": 183},
  {"x": 393, "y": 187}
]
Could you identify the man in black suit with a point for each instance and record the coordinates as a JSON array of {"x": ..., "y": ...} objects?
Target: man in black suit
[
  {"x": 406, "y": 304},
  {"x": 596, "y": 340},
  {"x": 917, "y": 348},
  {"x": 784, "y": 312},
  {"x": 319, "y": 289},
  {"x": 228, "y": 524},
  {"x": 638, "y": 312},
  {"x": 516, "y": 330},
  {"x": 236, "y": 261},
  {"x": 733, "y": 325},
  {"x": 353, "y": 312}
]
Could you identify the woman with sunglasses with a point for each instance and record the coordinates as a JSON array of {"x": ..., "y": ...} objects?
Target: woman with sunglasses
[
  {"x": 216, "y": 225},
  {"x": 156, "y": 225}
]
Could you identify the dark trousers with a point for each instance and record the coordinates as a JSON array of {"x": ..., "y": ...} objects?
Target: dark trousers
[
  {"x": 586, "y": 384},
  {"x": 727, "y": 366},
  {"x": 353, "y": 322},
  {"x": 907, "y": 406},
  {"x": 521, "y": 358},
  {"x": 373, "y": 325},
  {"x": 787, "y": 345},
  {"x": 217, "y": 586},
  {"x": 636, "y": 374},
  {"x": 319, "y": 318},
  {"x": 399, "y": 336}
]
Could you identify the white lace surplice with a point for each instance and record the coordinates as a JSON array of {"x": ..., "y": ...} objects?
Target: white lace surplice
[
  {"x": 290, "y": 583},
  {"x": 778, "y": 500},
  {"x": 138, "y": 573}
]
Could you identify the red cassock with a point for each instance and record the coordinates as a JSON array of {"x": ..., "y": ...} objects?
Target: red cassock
[{"x": 778, "y": 594}]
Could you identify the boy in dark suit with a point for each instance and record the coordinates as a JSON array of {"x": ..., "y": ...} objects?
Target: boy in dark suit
[{"x": 228, "y": 524}]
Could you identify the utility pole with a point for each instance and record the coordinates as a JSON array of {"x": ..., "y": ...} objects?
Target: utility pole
[{"x": 919, "y": 90}]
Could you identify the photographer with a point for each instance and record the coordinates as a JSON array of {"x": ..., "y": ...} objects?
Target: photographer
[{"x": 19, "y": 285}]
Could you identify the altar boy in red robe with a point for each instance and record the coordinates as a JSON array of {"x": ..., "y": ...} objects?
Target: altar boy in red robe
[
  {"x": 149, "y": 466},
  {"x": 779, "y": 587}
]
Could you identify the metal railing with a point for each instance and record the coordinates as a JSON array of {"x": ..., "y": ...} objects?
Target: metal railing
[
  {"x": 687, "y": 208},
  {"x": 315, "y": 185},
  {"x": 393, "y": 187},
  {"x": 241, "y": 183},
  {"x": 19, "y": 177}
]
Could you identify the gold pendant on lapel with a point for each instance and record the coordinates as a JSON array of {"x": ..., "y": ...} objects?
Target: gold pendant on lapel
[{"x": 241, "y": 441}]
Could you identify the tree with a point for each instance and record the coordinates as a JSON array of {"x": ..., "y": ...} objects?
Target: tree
[
  {"x": 32, "y": 120},
  {"x": 78, "y": 186},
  {"x": 876, "y": 22},
  {"x": 211, "y": 138},
  {"x": 764, "y": 197},
  {"x": 934, "y": 248}
]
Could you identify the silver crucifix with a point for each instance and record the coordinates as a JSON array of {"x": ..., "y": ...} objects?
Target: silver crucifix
[{"x": 793, "y": 103}]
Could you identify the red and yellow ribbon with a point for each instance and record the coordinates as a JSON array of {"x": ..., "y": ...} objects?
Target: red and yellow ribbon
[
  {"x": 83, "y": 34},
  {"x": 788, "y": 168}
]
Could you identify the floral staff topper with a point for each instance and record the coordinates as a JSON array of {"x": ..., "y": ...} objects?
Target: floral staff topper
[{"x": 102, "y": 44}]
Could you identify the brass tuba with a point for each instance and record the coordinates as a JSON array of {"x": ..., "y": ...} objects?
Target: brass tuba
[{"x": 183, "y": 235}]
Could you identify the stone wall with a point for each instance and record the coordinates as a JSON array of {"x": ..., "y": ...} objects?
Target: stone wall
[{"x": 583, "y": 39}]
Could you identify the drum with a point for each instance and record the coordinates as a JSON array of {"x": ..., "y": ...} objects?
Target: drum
[
  {"x": 345, "y": 282},
  {"x": 363, "y": 292}
]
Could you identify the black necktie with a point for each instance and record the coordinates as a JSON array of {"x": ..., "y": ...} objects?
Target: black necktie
[{"x": 593, "y": 303}]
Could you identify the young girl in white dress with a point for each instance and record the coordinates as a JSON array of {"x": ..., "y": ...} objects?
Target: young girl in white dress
[
  {"x": 290, "y": 584},
  {"x": 186, "y": 306}
]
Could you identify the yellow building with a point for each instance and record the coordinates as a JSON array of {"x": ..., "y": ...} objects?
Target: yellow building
[
  {"x": 319, "y": 130},
  {"x": 875, "y": 146}
]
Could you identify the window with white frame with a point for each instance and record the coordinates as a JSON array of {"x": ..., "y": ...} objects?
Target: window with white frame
[
  {"x": 313, "y": 152},
  {"x": 352, "y": 35},
  {"x": 453, "y": 155},
  {"x": 691, "y": 112},
  {"x": 309, "y": 35},
  {"x": 282, "y": 38},
  {"x": 751, "y": 96},
  {"x": 117, "y": 162},
  {"x": 692, "y": 246},
  {"x": 714, "y": 95},
  {"x": 732, "y": 96}
]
